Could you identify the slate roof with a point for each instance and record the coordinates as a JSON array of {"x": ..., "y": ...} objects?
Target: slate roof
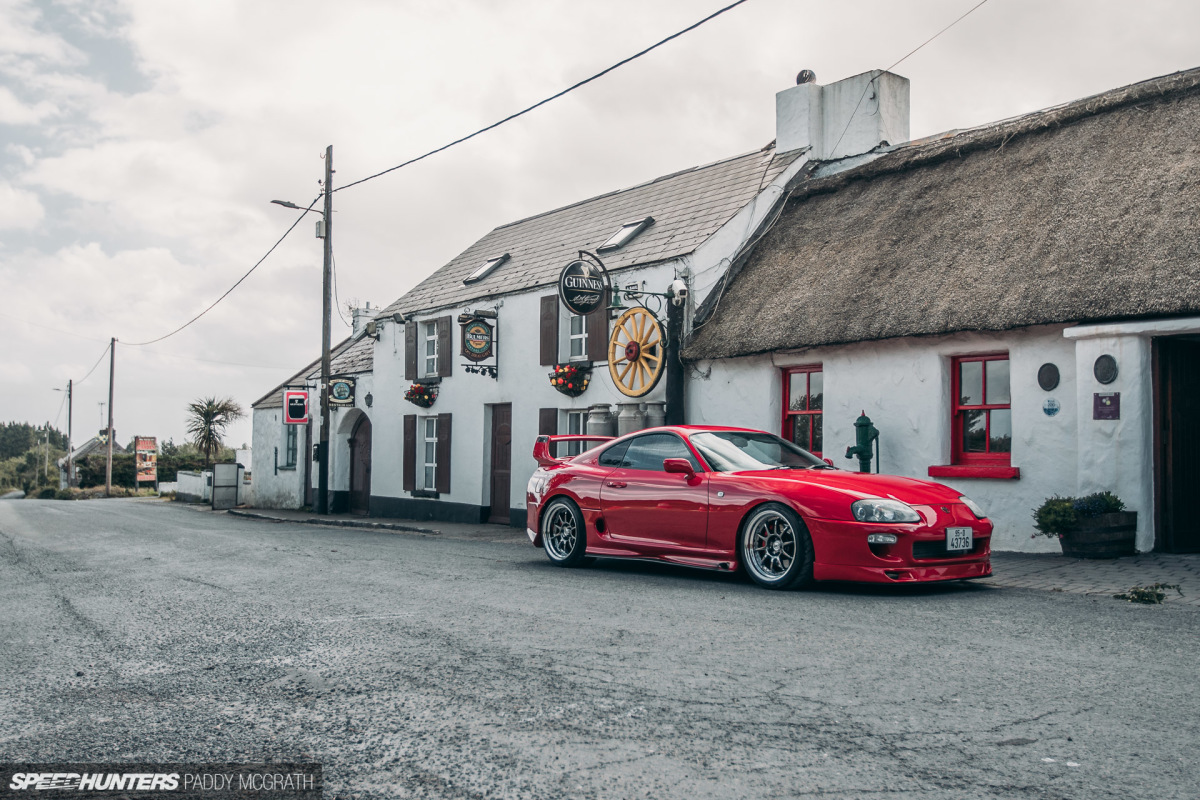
[
  {"x": 348, "y": 357},
  {"x": 687, "y": 208},
  {"x": 1081, "y": 213}
]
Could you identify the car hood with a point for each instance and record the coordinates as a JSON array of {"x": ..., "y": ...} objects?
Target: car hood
[{"x": 859, "y": 485}]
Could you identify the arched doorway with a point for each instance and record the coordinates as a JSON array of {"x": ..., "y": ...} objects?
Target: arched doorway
[{"x": 360, "y": 467}]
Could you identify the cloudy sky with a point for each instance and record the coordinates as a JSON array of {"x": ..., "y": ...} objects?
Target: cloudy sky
[{"x": 141, "y": 140}]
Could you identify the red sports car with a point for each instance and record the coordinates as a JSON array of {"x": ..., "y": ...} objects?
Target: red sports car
[{"x": 720, "y": 498}]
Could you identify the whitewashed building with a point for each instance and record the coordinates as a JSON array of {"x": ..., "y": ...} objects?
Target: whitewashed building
[{"x": 1016, "y": 307}]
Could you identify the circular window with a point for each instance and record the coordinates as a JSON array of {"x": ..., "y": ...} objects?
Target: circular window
[
  {"x": 1105, "y": 369},
  {"x": 1048, "y": 377}
]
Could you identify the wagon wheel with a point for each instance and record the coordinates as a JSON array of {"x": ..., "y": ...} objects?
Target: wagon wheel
[{"x": 635, "y": 352}]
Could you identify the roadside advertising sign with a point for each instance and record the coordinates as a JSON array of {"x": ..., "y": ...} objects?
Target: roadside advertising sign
[{"x": 145, "y": 449}]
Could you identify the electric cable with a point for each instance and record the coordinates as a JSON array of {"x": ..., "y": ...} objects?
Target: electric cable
[
  {"x": 896, "y": 64},
  {"x": 93, "y": 369},
  {"x": 235, "y": 285},
  {"x": 336, "y": 302},
  {"x": 552, "y": 97}
]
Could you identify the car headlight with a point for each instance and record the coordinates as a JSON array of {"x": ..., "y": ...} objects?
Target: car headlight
[
  {"x": 878, "y": 509},
  {"x": 975, "y": 509}
]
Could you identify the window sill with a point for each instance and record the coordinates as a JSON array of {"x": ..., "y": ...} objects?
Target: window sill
[
  {"x": 993, "y": 471},
  {"x": 432, "y": 380},
  {"x": 425, "y": 493},
  {"x": 286, "y": 468}
]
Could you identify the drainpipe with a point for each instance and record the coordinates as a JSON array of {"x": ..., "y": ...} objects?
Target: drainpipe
[{"x": 674, "y": 415}]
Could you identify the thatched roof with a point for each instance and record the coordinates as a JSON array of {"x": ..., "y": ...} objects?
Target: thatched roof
[{"x": 1080, "y": 213}]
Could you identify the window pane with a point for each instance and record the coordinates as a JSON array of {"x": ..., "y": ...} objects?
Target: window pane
[
  {"x": 429, "y": 477},
  {"x": 997, "y": 382},
  {"x": 800, "y": 432},
  {"x": 816, "y": 383},
  {"x": 648, "y": 452},
  {"x": 816, "y": 434},
  {"x": 576, "y": 347},
  {"x": 974, "y": 431},
  {"x": 971, "y": 386},
  {"x": 576, "y": 325},
  {"x": 1000, "y": 440},
  {"x": 431, "y": 428},
  {"x": 798, "y": 391},
  {"x": 614, "y": 456}
]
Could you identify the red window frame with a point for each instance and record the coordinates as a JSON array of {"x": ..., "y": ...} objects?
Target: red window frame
[
  {"x": 807, "y": 417},
  {"x": 960, "y": 456}
]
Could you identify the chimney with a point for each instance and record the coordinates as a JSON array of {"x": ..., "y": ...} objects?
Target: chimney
[
  {"x": 359, "y": 317},
  {"x": 847, "y": 118}
]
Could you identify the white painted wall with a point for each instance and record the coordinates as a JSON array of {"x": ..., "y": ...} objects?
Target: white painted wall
[
  {"x": 282, "y": 487},
  {"x": 904, "y": 387},
  {"x": 522, "y": 381},
  {"x": 844, "y": 118}
]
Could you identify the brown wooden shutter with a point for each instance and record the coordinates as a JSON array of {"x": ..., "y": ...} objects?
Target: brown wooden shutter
[
  {"x": 548, "y": 424},
  {"x": 549, "y": 329},
  {"x": 597, "y": 332},
  {"x": 410, "y": 452},
  {"x": 441, "y": 478},
  {"x": 445, "y": 332},
  {"x": 410, "y": 351}
]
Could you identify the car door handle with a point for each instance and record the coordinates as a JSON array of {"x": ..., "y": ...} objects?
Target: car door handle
[{"x": 616, "y": 484}]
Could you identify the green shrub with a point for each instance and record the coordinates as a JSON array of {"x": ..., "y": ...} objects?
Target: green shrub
[
  {"x": 1059, "y": 515},
  {"x": 64, "y": 494},
  {"x": 47, "y": 493},
  {"x": 1096, "y": 504}
]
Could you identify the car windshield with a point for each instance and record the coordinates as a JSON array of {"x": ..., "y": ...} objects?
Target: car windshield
[{"x": 744, "y": 451}]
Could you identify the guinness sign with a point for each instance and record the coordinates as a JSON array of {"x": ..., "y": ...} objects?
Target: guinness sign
[{"x": 581, "y": 286}]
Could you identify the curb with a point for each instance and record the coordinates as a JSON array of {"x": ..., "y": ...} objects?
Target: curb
[{"x": 338, "y": 523}]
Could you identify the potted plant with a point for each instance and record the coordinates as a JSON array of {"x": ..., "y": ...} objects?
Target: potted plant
[
  {"x": 421, "y": 395},
  {"x": 571, "y": 379},
  {"x": 1095, "y": 526}
]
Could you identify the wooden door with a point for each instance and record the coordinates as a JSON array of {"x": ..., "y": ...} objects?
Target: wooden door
[
  {"x": 501, "y": 462},
  {"x": 360, "y": 468},
  {"x": 1177, "y": 436}
]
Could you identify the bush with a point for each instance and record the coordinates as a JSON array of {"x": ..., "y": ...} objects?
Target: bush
[
  {"x": 64, "y": 494},
  {"x": 47, "y": 493},
  {"x": 1060, "y": 515}
]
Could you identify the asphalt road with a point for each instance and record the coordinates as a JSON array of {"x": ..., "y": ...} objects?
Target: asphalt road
[{"x": 419, "y": 666}]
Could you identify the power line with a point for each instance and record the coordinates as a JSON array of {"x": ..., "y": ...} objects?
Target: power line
[
  {"x": 903, "y": 58},
  {"x": 235, "y": 285},
  {"x": 540, "y": 103},
  {"x": 336, "y": 302},
  {"x": 93, "y": 369}
]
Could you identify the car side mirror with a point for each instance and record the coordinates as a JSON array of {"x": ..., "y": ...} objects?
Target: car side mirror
[{"x": 680, "y": 465}]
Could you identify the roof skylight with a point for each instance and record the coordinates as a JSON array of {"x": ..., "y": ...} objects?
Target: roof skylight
[
  {"x": 625, "y": 234},
  {"x": 485, "y": 269}
]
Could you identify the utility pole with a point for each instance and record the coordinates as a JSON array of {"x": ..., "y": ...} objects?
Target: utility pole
[
  {"x": 326, "y": 311},
  {"x": 112, "y": 368},
  {"x": 70, "y": 460}
]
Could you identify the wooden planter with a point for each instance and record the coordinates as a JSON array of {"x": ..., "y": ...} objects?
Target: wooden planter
[{"x": 1104, "y": 536}]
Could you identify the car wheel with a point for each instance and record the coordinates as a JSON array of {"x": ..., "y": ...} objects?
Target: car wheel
[
  {"x": 564, "y": 537},
  {"x": 776, "y": 549}
]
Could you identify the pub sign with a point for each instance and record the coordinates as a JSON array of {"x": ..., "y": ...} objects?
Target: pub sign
[
  {"x": 581, "y": 286},
  {"x": 295, "y": 407},
  {"x": 341, "y": 391},
  {"x": 478, "y": 339}
]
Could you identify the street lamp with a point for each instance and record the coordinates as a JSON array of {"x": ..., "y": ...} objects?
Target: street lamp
[
  {"x": 325, "y": 231},
  {"x": 70, "y": 461}
]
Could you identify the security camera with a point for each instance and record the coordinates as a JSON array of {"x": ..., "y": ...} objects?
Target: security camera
[{"x": 678, "y": 291}]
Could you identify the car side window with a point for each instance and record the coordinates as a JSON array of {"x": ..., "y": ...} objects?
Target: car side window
[
  {"x": 615, "y": 455},
  {"x": 647, "y": 452}
]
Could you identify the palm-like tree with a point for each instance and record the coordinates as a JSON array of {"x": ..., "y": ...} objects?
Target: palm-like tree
[{"x": 207, "y": 420}]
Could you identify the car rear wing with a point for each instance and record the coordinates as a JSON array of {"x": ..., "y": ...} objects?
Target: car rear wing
[{"x": 541, "y": 447}]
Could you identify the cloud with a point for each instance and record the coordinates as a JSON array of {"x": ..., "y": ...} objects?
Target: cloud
[{"x": 19, "y": 208}]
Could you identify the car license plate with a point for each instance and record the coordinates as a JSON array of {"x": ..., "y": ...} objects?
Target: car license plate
[{"x": 959, "y": 538}]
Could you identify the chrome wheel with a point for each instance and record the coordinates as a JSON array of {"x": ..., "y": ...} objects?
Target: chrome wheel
[
  {"x": 560, "y": 532},
  {"x": 776, "y": 548},
  {"x": 770, "y": 545}
]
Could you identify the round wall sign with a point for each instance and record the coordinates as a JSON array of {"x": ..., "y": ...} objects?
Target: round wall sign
[
  {"x": 1050, "y": 407},
  {"x": 477, "y": 340},
  {"x": 1105, "y": 369},
  {"x": 1048, "y": 377},
  {"x": 581, "y": 286}
]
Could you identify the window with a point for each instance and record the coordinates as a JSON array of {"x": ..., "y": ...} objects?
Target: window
[
  {"x": 982, "y": 414},
  {"x": 485, "y": 269},
  {"x": 577, "y": 337},
  {"x": 576, "y": 422},
  {"x": 647, "y": 452},
  {"x": 803, "y": 390},
  {"x": 750, "y": 451},
  {"x": 431, "y": 348},
  {"x": 429, "y": 453},
  {"x": 625, "y": 235},
  {"x": 289, "y": 445},
  {"x": 615, "y": 455}
]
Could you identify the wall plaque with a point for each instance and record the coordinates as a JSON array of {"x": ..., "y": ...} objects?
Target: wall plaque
[
  {"x": 1105, "y": 369},
  {"x": 1048, "y": 377},
  {"x": 1106, "y": 405}
]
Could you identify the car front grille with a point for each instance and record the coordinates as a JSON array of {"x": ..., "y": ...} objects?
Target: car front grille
[{"x": 937, "y": 549}]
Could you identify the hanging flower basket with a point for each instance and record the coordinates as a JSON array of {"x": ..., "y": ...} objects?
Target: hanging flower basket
[
  {"x": 570, "y": 379},
  {"x": 421, "y": 395}
]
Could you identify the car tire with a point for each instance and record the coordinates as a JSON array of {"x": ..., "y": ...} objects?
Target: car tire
[
  {"x": 775, "y": 548},
  {"x": 564, "y": 537}
]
